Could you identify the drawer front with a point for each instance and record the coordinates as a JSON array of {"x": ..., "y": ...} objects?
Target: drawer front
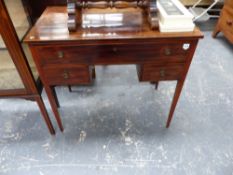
[
  {"x": 112, "y": 54},
  {"x": 227, "y": 20},
  {"x": 150, "y": 72},
  {"x": 68, "y": 75}
]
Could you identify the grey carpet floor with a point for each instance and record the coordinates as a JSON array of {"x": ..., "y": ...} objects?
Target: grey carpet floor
[{"x": 117, "y": 126}]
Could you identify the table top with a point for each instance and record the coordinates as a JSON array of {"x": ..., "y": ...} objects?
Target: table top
[{"x": 98, "y": 25}]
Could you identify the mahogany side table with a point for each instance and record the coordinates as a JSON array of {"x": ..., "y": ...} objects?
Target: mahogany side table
[{"x": 64, "y": 58}]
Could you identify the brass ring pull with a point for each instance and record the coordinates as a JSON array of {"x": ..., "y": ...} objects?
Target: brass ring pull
[
  {"x": 229, "y": 22},
  {"x": 167, "y": 51},
  {"x": 66, "y": 75},
  {"x": 60, "y": 54},
  {"x": 162, "y": 73}
]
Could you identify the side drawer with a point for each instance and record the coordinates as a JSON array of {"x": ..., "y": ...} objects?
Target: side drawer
[
  {"x": 152, "y": 72},
  {"x": 68, "y": 75}
]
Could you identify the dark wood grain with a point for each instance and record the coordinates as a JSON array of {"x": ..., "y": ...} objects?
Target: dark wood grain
[
  {"x": 75, "y": 8},
  {"x": 112, "y": 53},
  {"x": 36, "y": 7}
]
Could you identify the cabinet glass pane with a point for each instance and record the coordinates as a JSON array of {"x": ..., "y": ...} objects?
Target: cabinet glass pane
[
  {"x": 18, "y": 16},
  {"x": 9, "y": 76},
  {"x": 21, "y": 23}
]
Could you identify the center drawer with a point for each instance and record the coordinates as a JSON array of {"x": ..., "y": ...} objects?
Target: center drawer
[{"x": 112, "y": 54}]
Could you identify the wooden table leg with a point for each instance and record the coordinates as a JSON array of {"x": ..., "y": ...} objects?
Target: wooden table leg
[
  {"x": 53, "y": 104},
  {"x": 180, "y": 83},
  {"x": 55, "y": 97},
  {"x": 45, "y": 115},
  {"x": 70, "y": 88},
  {"x": 156, "y": 83},
  {"x": 216, "y": 31},
  {"x": 178, "y": 90},
  {"x": 93, "y": 73}
]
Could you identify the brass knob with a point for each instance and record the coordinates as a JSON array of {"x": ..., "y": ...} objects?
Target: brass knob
[
  {"x": 229, "y": 22},
  {"x": 114, "y": 49},
  {"x": 66, "y": 75},
  {"x": 162, "y": 73},
  {"x": 167, "y": 51},
  {"x": 60, "y": 54}
]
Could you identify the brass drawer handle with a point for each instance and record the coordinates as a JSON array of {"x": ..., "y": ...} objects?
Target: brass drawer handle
[
  {"x": 65, "y": 75},
  {"x": 229, "y": 22},
  {"x": 162, "y": 73},
  {"x": 167, "y": 51},
  {"x": 60, "y": 54}
]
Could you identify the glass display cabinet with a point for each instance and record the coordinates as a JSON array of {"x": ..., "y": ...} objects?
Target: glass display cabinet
[{"x": 18, "y": 75}]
